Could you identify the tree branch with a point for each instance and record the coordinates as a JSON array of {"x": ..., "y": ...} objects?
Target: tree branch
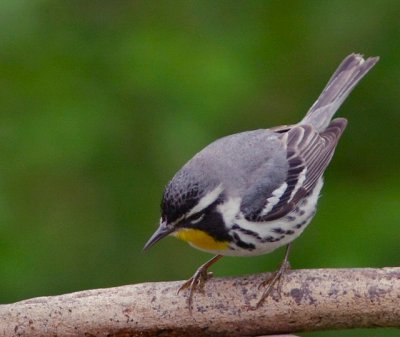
[{"x": 317, "y": 299}]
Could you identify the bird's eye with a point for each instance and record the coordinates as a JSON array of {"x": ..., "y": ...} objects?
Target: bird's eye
[{"x": 197, "y": 218}]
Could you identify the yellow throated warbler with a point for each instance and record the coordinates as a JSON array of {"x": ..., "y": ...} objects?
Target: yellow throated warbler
[{"x": 253, "y": 192}]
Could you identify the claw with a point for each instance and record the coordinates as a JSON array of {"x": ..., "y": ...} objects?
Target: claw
[
  {"x": 275, "y": 278},
  {"x": 198, "y": 280}
]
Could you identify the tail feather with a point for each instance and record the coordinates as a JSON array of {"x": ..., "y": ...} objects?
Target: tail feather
[{"x": 352, "y": 69}]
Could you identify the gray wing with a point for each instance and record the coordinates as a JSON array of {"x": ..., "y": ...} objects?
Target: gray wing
[{"x": 308, "y": 154}]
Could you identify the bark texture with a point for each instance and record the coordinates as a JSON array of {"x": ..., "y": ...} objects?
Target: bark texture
[{"x": 318, "y": 299}]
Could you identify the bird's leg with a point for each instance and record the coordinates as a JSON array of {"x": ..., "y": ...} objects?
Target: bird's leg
[
  {"x": 198, "y": 279},
  {"x": 276, "y": 277}
]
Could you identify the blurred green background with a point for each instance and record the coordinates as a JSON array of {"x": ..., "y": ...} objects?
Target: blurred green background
[{"x": 102, "y": 101}]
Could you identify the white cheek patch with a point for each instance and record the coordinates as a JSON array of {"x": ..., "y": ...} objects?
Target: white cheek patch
[
  {"x": 229, "y": 210},
  {"x": 206, "y": 201},
  {"x": 272, "y": 201}
]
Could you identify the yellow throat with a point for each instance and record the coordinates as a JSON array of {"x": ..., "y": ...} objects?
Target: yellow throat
[{"x": 200, "y": 239}]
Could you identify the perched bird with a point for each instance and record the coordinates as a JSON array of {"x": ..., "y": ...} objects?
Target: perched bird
[{"x": 252, "y": 192}]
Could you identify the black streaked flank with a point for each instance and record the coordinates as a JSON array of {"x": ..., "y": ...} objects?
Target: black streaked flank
[
  {"x": 272, "y": 239},
  {"x": 246, "y": 231},
  {"x": 242, "y": 244}
]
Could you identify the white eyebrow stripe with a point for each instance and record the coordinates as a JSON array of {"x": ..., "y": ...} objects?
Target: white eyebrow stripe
[
  {"x": 206, "y": 201},
  {"x": 172, "y": 224}
]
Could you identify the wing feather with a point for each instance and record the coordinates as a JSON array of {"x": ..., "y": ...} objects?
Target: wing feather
[{"x": 308, "y": 155}]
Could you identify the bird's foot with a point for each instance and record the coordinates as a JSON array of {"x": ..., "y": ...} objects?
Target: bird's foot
[
  {"x": 276, "y": 278},
  {"x": 196, "y": 282}
]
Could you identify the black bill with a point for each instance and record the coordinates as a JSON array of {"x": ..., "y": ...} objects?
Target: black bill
[{"x": 160, "y": 233}]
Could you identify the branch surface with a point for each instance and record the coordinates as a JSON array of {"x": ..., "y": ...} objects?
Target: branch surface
[{"x": 317, "y": 299}]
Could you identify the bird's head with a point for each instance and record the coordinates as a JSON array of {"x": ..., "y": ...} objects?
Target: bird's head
[{"x": 189, "y": 211}]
